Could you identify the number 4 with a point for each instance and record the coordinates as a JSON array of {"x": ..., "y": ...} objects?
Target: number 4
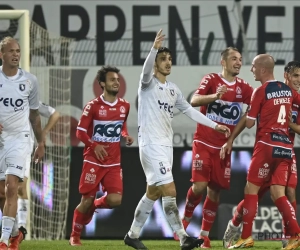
[{"x": 281, "y": 116}]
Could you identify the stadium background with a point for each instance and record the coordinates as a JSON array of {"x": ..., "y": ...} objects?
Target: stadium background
[{"x": 121, "y": 33}]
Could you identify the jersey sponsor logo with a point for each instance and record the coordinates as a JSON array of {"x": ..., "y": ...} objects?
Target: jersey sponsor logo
[
  {"x": 172, "y": 92},
  {"x": 279, "y": 152},
  {"x": 87, "y": 110},
  {"x": 9, "y": 102},
  {"x": 166, "y": 107},
  {"x": 280, "y": 138},
  {"x": 224, "y": 112},
  {"x": 277, "y": 90},
  {"x": 107, "y": 131}
]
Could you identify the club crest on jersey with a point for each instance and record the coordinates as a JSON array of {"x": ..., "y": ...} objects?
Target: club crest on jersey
[
  {"x": 238, "y": 92},
  {"x": 122, "y": 109},
  {"x": 172, "y": 92},
  {"x": 22, "y": 86}
]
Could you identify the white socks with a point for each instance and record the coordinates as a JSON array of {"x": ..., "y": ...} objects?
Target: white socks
[
  {"x": 7, "y": 226},
  {"x": 172, "y": 216},
  {"x": 141, "y": 214},
  {"x": 22, "y": 212}
]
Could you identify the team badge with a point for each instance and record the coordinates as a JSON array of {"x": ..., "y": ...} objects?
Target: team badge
[
  {"x": 122, "y": 109},
  {"x": 22, "y": 87}
]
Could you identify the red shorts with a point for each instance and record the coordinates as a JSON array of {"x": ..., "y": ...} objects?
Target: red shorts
[
  {"x": 92, "y": 176},
  {"x": 267, "y": 167},
  {"x": 208, "y": 167}
]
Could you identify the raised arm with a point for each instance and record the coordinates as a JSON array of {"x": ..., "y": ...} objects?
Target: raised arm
[{"x": 150, "y": 60}]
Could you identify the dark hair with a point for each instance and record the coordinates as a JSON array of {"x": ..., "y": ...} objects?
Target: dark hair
[
  {"x": 225, "y": 52},
  {"x": 101, "y": 74},
  {"x": 162, "y": 50},
  {"x": 291, "y": 66}
]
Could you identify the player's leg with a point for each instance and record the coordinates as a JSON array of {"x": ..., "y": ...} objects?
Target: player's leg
[
  {"x": 282, "y": 203},
  {"x": 23, "y": 202},
  {"x": 258, "y": 174},
  {"x": 15, "y": 160},
  {"x": 219, "y": 179},
  {"x": 165, "y": 183},
  {"x": 232, "y": 231},
  {"x": 90, "y": 179},
  {"x": 141, "y": 214},
  {"x": 201, "y": 168},
  {"x": 290, "y": 192}
]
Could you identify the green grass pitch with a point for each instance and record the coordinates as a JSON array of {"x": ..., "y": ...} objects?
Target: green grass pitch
[{"x": 119, "y": 245}]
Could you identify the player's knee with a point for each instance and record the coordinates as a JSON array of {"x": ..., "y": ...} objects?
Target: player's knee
[
  {"x": 199, "y": 187},
  {"x": 114, "y": 200},
  {"x": 86, "y": 204},
  {"x": 291, "y": 194}
]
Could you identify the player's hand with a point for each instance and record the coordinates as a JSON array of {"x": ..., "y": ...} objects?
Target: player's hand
[
  {"x": 100, "y": 151},
  {"x": 223, "y": 129},
  {"x": 158, "y": 40},
  {"x": 129, "y": 140},
  {"x": 39, "y": 153},
  {"x": 1, "y": 128},
  {"x": 221, "y": 91},
  {"x": 226, "y": 149}
]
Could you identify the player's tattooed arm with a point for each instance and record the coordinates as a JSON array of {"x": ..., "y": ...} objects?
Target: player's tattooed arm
[{"x": 35, "y": 120}]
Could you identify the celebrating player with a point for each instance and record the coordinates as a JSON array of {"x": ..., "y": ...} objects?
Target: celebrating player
[
  {"x": 18, "y": 101},
  {"x": 157, "y": 99},
  {"x": 220, "y": 97},
  {"x": 292, "y": 79},
  {"x": 101, "y": 125},
  {"x": 272, "y": 156},
  {"x": 52, "y": 115}
]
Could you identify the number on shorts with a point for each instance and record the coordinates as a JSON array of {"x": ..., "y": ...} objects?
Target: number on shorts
[{"x": 281, "y": 116}]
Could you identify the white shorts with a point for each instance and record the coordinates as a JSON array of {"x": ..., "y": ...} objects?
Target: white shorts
[
  {"x": 13, "y": 158},
  {"x": 157, "y": 162},
  {"x": 27, "y": 166}
]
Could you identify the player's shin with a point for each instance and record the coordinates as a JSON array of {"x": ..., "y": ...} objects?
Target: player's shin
[
  {"x": 172, "y": 216},
  {"x": 249, "y": 213},
  {"x": 141, "y": 214},
  {"x": 78, "y": 223},
  {"x": 209, "y": 214},
  {"x": 238, "y": 214},
  {"x": 192, "y": 201}
]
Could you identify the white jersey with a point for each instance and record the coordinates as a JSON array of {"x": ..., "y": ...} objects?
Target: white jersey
[
  {"x": 156, "y": 102},
  {"x": 45, "y": 111},
  {"x": 18, "y": 94}
]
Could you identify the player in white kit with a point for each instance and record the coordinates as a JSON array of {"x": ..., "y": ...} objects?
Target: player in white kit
[
  {"x": 52, "y": 115},
  {"x": 18, "y": 101},
  {"x": 157, "y": 98}
]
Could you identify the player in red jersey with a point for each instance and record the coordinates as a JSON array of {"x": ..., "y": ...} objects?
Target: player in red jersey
[
  {"x": 272, "y": 156},
  {"x": 220, "y": 97},
  {"x": 102, "y": 124},
  {"x": 292, "y": 79}
]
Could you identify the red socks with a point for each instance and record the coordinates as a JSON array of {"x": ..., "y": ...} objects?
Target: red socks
[
  {"x": 238, "y": 214},
  {"x": 249, "y": 213},
  {"x": 192, "y": 201},
  {"x": 78, "y": 223},
  {"x": 288, "y": 214},
  {"x": 209, "y": 214}
]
